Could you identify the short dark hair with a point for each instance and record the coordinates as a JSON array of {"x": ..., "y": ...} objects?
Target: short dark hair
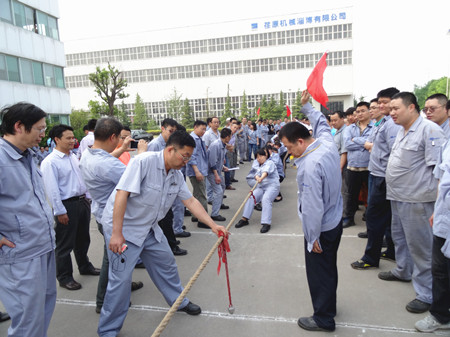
[
  {"x": 327, "y": 116},
  {"x": 126, "y": 128},
  {"x": 208, "y": 120},
  {"x": 91, "y": 124},
  {"x": 407, "y": 98},
  {"x": 224, "y": 133},
  {"x": 26, "y": 113},
  {"x": 374, "y": 100},
  {"x": 58, "y": 130},
  {"x": 181, "y": 127},
  {"x": 293, "y": 131},
  {"x": 447, "y": 106},
  {"x": 367, "y": 105},
  {"x": 442, "y": 99},
  {"x": 388, "y": 93},
  {"x": 199, "y": 122},
  {"x": 85, "y": 128},
  {"x": 180, "y": 139},
  {"x": 350, "y": 111},
  {"x": 232, "y": 119},
  {"x": 169, "y": 122},
  {"x": 106, "y": 127},
  {"x": 339, "y": 113},
  {"x": 262, "y": 152}
]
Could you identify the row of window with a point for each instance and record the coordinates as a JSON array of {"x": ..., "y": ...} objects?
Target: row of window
[
  {"x": 22, "y": 70},
  {"x": 28, "y": 18},
  {"x": 224, "y": 68},
  {"x": 202, "y": 107},
  {"x": 336, "y": 32}
]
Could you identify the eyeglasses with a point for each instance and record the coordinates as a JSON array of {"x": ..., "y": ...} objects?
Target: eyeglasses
[
  {"x": 432, "y": 108},
  {"x": 40, "y": 130},
  {"x": 185, "y": 158}
]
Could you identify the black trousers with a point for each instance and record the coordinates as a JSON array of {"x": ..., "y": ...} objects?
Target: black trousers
[
  {"x": 166, "y": 225},
  {"x": 73, "y": 237},
  {"x": 322, "y": 275},
  {"x": 440, "y": 269},
  {"x": 354, "y": 181},
  {"x": 378, "y": 221}
]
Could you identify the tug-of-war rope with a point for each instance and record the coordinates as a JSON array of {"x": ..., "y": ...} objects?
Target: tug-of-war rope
[{"x": 222, "y": 257}]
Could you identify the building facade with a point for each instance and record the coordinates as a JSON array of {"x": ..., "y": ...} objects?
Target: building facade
[
  {"x": 261, "y": 57},
  {"x": 32, "y": 57}
]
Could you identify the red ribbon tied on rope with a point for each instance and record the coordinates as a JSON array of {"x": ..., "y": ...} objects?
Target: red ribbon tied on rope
[
  {"x": 222, "y": 250},
  {"x": 252, "y": 195}
]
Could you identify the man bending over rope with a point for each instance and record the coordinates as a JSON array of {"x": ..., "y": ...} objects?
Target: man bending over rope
[{"x": 144, "y": 194}]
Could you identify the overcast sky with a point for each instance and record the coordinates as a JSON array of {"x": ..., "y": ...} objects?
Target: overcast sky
[{"x": 395, "y": 42}]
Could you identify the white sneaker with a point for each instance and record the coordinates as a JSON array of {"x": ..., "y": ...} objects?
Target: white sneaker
[{"x": 430, "y": 324}]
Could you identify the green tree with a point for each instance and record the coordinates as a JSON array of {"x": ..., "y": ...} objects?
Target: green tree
[
  {"x": 140, "y": 115},
  {"x": 295, "y": 109},
  {"x": 432, "y": 87},
  {"x": 78, "y": 119},
  {"x": 174, "y": 105},
  {"x": 109, "y": 86},
  {"x": 97, "y": 109},
  {"x": 122, "y": 115},
  {"x": 244, "y": 106},
  {"x": 282, "y": 100},
  {"x": 187, "y": 117},
  {"x": 227, "y": 112}
]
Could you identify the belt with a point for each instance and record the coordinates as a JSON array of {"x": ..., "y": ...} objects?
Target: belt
[{"x": 80, "y": 197}]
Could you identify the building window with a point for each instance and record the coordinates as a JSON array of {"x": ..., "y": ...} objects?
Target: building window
[
  {"x": 38, "y": 74},
  {"x": 47, "y": 25},
  {"x": 12, "y": 64},
  {"x": 26, "y": 71},
  {"x": 5, "y": 11},
  {"x": 3, "y": 68}
]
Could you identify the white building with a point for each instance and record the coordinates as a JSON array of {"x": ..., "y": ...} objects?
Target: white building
[
  {"x": 32, "y": 58},
  {"x": 259, "y": 56}
]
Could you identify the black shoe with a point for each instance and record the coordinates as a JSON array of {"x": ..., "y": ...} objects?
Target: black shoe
[
  {"x": 360, "y": 264},
  {"x": 258, "y": 207},
  {"x": 187, "y": 212},
  {"x": 202, "y": 225},
  {"x": 308, "y": 323},
  {"x": 194, "y": 219},
  {"x": 386, "y": 256},
  {"x": 71, "y": 285},
  {"x": 177, "y": 251},
  {"x": 348, "y": 223},
  {"x": 388, "y": 276},
  {"x": 98, "y": 309},
  {"x": 177, "y": 242},
  {"x": 241, "y": 162},
  {"x": 224, "y": 206},
  {"x": 91, "y": 271},
  {"x": 265, "y": 228},
  {"x": 209, "y": 202},
  {"x": 183, "y": 227},
  {"x": 218, "y": 218},
  {"x": 362, "y": 235},
  {"x": 4, "y": 316},
  {"x": 191, "y": 309},
  {"x": 140, "y": 265},
  {"x": 136, "y": 285},
  {"x": 417, "y": 306},
  {"x": 241, "y": 223},
  {"x": 224, "y": 196},
  {"x": 278, "y": 198},
  {"x": 234, "y": 180},
  {"x": 183, "y": 234}
]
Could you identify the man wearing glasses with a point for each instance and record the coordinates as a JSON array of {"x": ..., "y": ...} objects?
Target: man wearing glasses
[
  {"x": 146, "y": 191},
  {"x": 436, "y": 112},
  {"x": 27, "y": 238}
]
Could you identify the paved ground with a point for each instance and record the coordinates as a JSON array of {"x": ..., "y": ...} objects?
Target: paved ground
[{"x": 268, "y": 285}]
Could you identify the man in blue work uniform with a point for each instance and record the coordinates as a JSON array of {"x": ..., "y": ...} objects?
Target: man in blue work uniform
[
  {"x": 101, "y": 170},
  {"x": 168, "y": 126},
  {"x": 216, "y": 158},
  {"x": 319, "y": 209},
  {"x": 27, "y": 239},
  {"x": 144, "y": 194},
  {"x": 67, "y": 194},
  {"x": 412, "y": 189}
]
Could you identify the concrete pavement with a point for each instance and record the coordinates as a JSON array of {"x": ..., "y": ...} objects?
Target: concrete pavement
[{"x": 268, "y": 285}]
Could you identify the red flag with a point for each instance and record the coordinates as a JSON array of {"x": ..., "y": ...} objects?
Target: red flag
[
  {"x": 315, "y": 82},
  {"x": 257, "y": 112},
  {"x": 288, "y": 111}
]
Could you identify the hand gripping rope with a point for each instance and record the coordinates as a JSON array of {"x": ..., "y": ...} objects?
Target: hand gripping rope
[{"x": 162, "y": 325}]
